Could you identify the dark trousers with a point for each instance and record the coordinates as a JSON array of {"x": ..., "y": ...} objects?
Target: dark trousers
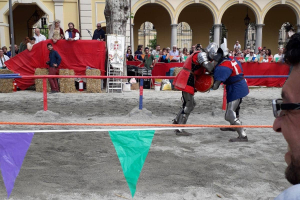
[{"x": 53, "y": 81}]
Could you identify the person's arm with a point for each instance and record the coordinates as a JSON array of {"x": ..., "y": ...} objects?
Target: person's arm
[
  {"x": 67, "y": 35},
  {"x": 94, "y": 36},
  {"x": 76, "y": 36},
  {"x": 29, "y": 46},
  {"x": 58, "y": 58}
]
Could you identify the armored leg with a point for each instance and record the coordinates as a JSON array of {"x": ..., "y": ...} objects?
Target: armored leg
[
  {"x": 184, "y": 112},
  {"x": 231, "y": 117}
]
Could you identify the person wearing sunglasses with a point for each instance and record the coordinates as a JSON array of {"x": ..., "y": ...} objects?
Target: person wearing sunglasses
[{"x": 287, "y": 119}]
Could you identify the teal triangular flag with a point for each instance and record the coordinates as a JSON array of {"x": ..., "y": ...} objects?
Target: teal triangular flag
[{"x": 132, "y": 148}]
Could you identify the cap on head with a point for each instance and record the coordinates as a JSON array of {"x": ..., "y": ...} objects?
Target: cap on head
[
  {"x": 259, "y": 48},
  {"x": 252, "y": 51}
]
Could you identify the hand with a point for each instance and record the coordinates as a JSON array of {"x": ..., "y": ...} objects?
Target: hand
[
  {"x": 54, "y": 65},
  {"x": 101, "y": 39},
  {"x": 151, "y": 66},
  {"x": 98, "y": 39}
]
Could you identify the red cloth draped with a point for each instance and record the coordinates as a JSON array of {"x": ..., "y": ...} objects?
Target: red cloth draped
[
  {"x": 250, "y": 69},
  {"x": 75, "y": 55}
]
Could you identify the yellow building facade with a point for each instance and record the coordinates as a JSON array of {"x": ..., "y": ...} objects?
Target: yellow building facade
[{"x": 173, "y": 22}]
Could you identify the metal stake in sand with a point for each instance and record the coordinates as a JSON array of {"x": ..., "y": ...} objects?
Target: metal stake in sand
[
  {"x": 141, "y": 94},
  {"x": 45, "y": 94}
]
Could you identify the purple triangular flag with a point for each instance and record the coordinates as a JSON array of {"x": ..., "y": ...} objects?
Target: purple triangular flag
[{"x": 13, "y": 149}]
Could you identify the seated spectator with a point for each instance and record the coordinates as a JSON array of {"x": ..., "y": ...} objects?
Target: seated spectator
[
  {"x": 165, "y": 56},
  {"x": 279, "y": 57},
  {"x": 139, "y": 52},
  {"x": 168, "y": 49},
  {"x": 72, "y": 33},
  {"x": 260, "y": 57},
  {"x": 250, "y": 57},
  {"x": 155, "y": 52},
  {"x": 56, "y": 32},
  {"x": 129, "y": 56},
  {"x": 175, "y": 54},
  {"x": 259, "y": 50},
  {"x": 192, "y": 50},
  {"x": 185, "y": 54},
  {"x": 269, "y": 55},
  {"x": 31, "y": 43},
  {"x": 3, "y": 59},
  {"x": 38, "y": 36},
  {"x": 4, "y": 49},
  {"x": 240, "y": 57},
  {"x": 237, "y": 46},
  {"x": 99, "y": 33},
  {"x": 247, "y": 51},
  {"x": 16, "y": 51},
  {"x": 23, "y": 44}
]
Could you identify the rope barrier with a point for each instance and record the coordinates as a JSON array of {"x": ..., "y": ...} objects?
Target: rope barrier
[{"x": 133, "y": 125}]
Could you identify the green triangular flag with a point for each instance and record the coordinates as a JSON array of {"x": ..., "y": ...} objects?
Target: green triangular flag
[
  {"x": 246, "y": 58},
  {"x": 132, "y": 148},
  {"x": 276, "y": 59}
]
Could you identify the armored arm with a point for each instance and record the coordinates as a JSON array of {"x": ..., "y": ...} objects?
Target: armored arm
[
  {"x": 216, "y": 85},
  {"x": 202, "y": 60}
]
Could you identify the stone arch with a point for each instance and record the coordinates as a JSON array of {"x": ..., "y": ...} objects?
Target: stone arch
[
  {"x": 164, "y": 4},
  {"x": 5, "y": 10},
  {"x": 252, "y": 5},
  {"x": 186, "y": 3},
  {"x": 272, "y": 4}
]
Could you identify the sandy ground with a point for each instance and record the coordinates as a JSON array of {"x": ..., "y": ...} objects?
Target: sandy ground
[{"x": 203, "y": 166}]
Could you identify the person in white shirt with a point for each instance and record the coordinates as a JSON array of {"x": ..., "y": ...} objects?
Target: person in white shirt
[
  {"x": 250, "y": 57},
  {"x": 156, "y": 52},
  {"x": 175, "y": 54},
  {"x": 72, "y": 34},
  {"x": 237, "y": 45},
  {"x": 38, "y": 36},
  {"x": 3, "y": 59},
  {"x": 279, "y": 57}
]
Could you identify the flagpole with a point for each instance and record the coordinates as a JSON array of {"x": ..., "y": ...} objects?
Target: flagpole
[{"x": 11, "y": 26}]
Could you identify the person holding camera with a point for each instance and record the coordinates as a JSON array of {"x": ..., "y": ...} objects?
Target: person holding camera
[{"x": 54, "y": 62}]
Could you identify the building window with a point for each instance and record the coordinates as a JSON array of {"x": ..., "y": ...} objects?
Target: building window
[
  {"x": 282, "y": 37},
  {"x": 184, "y": 35},
  {"x": 147, "y": 35},
  {"x": 223, "y": 34},
  {"x": 250, "y": 36}
]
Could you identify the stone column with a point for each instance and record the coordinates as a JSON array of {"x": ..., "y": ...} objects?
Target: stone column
[
  {"x": 258, "y": 42},
  {"x": 173, "y": 35},
  {"x": 86, "y": 19},
  {"x": 298, "y": 28},
  {"x": 59, "y": 12},
  {"x": 132, "y": 39},
  {"x": 217, "y": 33}
]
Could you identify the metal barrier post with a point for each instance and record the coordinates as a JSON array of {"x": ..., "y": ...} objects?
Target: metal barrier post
[
  {"x": 141, "y": 94},
  {"x": 45, "y": 94}
]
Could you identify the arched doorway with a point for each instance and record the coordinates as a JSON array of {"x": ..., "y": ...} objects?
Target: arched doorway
[
  {"x": 273, "y": 24},
  {"x": 233, "y": 19},
  {"x": 147, "y": 35},
  {"x": 184, "y": 35},
  {"x": 223, "y": 34},
  {"x": 200, "y": 19},
  {"x": 160, "y": 18},
  {"x": 26, "y": 18}
]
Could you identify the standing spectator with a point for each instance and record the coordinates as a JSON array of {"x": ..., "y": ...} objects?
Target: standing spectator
[
  {"x": 155, "y": 52},
  {"x": 129, "y": 56},
  {"x": 237, "y": 45},
  {"x": 185, "y": 54},
  {"x": 192, "y": 49},
  {"x": 139, "y": 52},
  {"x": 54, "y": 62},
  {"x": 3, "y": 59},
  {"x": 38, "y": 36},
  {"x": 259, "y": 50},
  {"x": 31, "y": 43},
  {"x": 250, "y": 57},
  {"x": 261, "y": 57},
  {"x": 175, "y": 54},
  {"x": 72, "y": 33},
  {"x": 4, "y": 48},
  {"x": 56, "y": 32},
  {"x": 287, "y": 116},
  {"x": 247, "y": 51},
  {"x": 129, "y": 47},
  {"x": 99, "y": 33},
  {"x": 16, "y": 50},
  {"x": 230, "y": 53},
  {"x": 269, "y": 55},
  {"x": 23, "y": 44},
  {"x": 149, "y": 59},
  {"x": 279, "y": 57}
]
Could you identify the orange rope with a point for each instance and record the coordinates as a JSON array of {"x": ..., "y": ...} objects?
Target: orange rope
[{"x": 140, "y": 125}]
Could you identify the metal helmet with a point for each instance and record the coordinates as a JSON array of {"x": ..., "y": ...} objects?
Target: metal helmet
[{"x": 211, "y": 50}]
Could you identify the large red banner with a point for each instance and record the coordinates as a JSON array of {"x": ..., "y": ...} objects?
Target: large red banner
[{"x": 76, "y": 55}]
